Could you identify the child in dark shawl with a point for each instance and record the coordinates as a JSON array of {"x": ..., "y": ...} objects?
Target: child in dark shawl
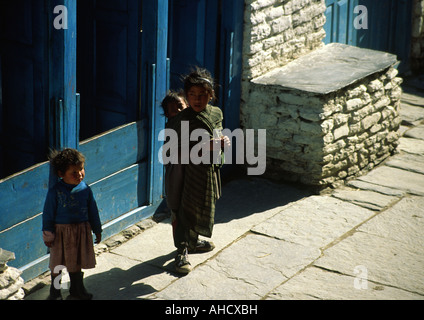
[{"x": 201, "y": 186}]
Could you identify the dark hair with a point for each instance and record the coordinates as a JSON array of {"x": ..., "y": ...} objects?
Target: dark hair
[
  {"x": 199, "y": 77},
  {"x": 172, "y": 96},
  {"x": 62, "y": 160}
]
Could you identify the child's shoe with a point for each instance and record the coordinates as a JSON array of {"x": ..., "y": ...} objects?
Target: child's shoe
[
  {"x": 202, "y": 246},
  {"x": 181, "y": 262}
]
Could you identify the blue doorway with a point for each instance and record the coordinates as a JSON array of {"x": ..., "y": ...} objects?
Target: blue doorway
[
  {"x": 208, "y": 34},
  {"x": 383, "y": 25}
]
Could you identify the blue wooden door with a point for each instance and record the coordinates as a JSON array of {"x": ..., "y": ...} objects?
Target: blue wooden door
[
  {"x": 383, "y": 25},
  {"x": 209, "y": 34},
  {"x": 107, "y": 69},
  {"x": 389, "y": 28},
  {"x": 24, "y": 71},
  {"x": 193, "y": 30},
  {"x": 339, "y": 25}
]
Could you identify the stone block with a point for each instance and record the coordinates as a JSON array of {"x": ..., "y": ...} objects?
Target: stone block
[{"x": 325, "y": 131}]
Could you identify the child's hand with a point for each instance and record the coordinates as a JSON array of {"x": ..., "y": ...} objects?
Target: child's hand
[
  {"x": 98, "y": 238},
  {"x": 225, "y": 142},
  {"x": 48, "y": 243},
  {"x": 48, "y": 238}
]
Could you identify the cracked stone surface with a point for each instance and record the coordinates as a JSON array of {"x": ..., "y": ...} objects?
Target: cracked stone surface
[
  {"x": 248, "y": 269},
  {"x": 315, "y": 221},
  {"x": 392, "y": 264},
  {"x": 396, "y": 179},
  {"x": 318, "y": 284},
  {"x": 364, "y": 198}
]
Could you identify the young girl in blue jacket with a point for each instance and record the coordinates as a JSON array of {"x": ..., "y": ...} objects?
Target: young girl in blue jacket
[{"x": 70, "y": 215}]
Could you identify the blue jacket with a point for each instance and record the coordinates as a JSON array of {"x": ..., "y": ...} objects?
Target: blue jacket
[{"x": 67, "y": 204}]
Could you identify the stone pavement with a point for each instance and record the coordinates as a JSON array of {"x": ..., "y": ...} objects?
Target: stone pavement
[{"x": 275, "y": 241}]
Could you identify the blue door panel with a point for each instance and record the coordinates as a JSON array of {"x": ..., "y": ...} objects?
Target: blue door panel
[
  {"x": 192, "y": 37},
  {"x": 108, "y": 51},
  {"x": 23, "y": 137},
  {"x": 339, "y": 21},
  {"x": 388, "y": 25}
]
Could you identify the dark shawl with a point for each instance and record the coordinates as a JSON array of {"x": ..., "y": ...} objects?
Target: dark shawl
[{"x": 201, "y": 186}]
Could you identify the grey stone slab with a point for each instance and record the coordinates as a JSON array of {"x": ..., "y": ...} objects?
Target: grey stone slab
[
  {"x": 339, "y": 64},
  {"x": 410, "y": 114},
  {"x": 364, "y": 198},
  {"x": 404, "y": 222},
  {"x": 318, "y": 284},
  {"x": 375, "y": 187},
  {"x": 247, "y": 269},
  {"x": 377, "y": 259},
  {"x": 412, "y": 97},
  {"x": 407, "y": 161},
  {"x": 315, "y": 221},
  {"x": 416, "y": 133},
  {"x": 409, "y": 145},
  {"x": 395, "y": 178}
]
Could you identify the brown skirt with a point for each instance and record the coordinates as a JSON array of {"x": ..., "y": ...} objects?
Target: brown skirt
[{"x": 72, "y": 247}]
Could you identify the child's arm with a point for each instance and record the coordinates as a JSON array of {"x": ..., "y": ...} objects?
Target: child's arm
[
  {"x": 49, "y": 213},
  {"x": 93, "y": 217}
]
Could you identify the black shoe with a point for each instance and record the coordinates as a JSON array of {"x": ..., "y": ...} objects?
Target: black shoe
[{"x": 77, "y": 290}]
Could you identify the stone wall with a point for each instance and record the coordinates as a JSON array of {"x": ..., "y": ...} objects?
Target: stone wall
[
  {"x": 417, "y": 48},
  {"x": 279, "y": 31},
  {"x": 320, "y": 139}
]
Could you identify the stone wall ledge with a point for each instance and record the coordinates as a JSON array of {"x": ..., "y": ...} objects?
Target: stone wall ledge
[
  {"x": 330, "y": 115},
  {"x": 328, "y": 69}
]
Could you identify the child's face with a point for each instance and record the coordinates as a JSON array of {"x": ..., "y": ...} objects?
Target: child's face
[
  {"x": 198, "y": 98},
  {"x": 73, "y": 175},
  {"x": 175, "y": 107}
]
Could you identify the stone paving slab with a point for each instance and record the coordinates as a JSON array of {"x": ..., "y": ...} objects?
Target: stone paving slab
[
  {"x": 411, "y": 114},
  {"x": 363, "y": 185},
  {"x": 315, "y": 221},
  {"x": 409, "y": 145},
  {"x": 416, "y": 132},
  {"x": 368, "y": 199},
  {"x": 248, "y": 269},
  {"x": 318, "y": 284},
  {"x": 406, "y": 161},
  {"x": 387, "y": 262},
  {"x": 412, "y": 97},
  {"x": 404, "y": 222},
  {"x": 396, "y": 179}
]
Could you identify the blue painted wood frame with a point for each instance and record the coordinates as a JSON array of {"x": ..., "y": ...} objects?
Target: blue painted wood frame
[
  {"x": 154, "y": 75},
  {"x": 63, "y": 75},
  {"x": 231, "y": 43}
]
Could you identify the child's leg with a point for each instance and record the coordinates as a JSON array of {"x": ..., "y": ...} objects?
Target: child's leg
[
  {"x": 180, "y": 234},
  {"x": 54, "y": 293},
  {"x": 77, "y": 289}
]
